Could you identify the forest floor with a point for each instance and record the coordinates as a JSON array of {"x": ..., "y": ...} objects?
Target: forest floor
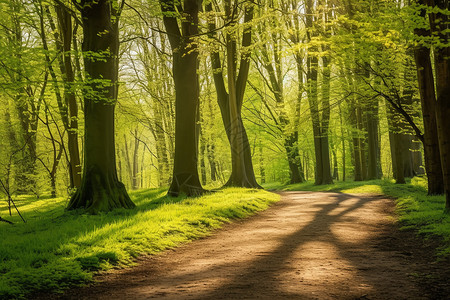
[{"x": 310, "y": 245}]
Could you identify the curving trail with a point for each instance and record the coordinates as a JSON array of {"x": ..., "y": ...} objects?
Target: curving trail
[{"x": 310, "y": 245}]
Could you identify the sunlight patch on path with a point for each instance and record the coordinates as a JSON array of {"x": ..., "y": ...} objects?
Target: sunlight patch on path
[{"x": 307, "y": 246}]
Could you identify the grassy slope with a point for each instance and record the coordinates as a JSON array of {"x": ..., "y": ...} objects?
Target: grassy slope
[
  {"x": 415, "y": 208},
  {"x": 57, "y": 249}
]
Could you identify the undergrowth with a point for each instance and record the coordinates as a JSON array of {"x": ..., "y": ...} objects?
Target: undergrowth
[
  {"x": 416, "y": 210},
  {"x": 57, "y": 249}
]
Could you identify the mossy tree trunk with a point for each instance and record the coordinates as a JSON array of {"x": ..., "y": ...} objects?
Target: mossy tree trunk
[{"x": 100, "y": 188}]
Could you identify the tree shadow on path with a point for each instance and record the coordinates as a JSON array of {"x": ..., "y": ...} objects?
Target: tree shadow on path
[{"x": 311, "y": 245}]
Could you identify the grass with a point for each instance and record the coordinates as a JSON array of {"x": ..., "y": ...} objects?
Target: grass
[
  {"x": 416, "y": 210},
  {"x": 57, "y": 249}
]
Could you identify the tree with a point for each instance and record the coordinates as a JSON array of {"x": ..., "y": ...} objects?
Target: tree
[
  {"x": 185, "y": 64},
  {"x": 271, "y": 40},
  {"x": 320, "y": 118},
  {"x": 230, "y": 102},
  {"x": 100, "y": 188},
  {"x": 68, "y": 106},
  {"x": 440, "y": 28},
  {"x": 425, "y": 80}
]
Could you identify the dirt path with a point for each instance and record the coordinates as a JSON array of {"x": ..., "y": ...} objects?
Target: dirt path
[{"x": 307, "y": 246}]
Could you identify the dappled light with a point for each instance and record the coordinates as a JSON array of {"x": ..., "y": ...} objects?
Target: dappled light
[
  {"x": 67, "y": 247},
  {"x": 310, "y": 245}
]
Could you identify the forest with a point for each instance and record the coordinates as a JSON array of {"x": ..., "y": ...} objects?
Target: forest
[{"x": 105, "y": 101}]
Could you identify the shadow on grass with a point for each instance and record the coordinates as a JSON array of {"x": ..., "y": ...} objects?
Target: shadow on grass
[
  {"x": 65, "y": 247},
  {"x": 40, "y": 248}
]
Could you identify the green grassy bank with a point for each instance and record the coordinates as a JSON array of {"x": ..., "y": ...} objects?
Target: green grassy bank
[
  {"x": 57, "y": 249},
  {"x": 416, "y": 210}
]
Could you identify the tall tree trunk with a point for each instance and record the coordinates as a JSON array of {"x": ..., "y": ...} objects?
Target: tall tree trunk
[
  {"x": 400, "y": 147},
  {"x": 319, "y": 120},
  {"x": 440, "y": 27},
  {"x": 362, "y": 140},
  {"x": 428, "y": 101},
  {"x": 356, "y": 142},
  {"x": 312, "y": 65},
  {"x": 161, "y": 149},
  {"x": 210, "y": 149},
  {"x": 100, "y": 188},
  {"x": 262, "y": 169},
  {"x": 399, "y": 158},
  {"x": 373, "y": 142},
  {"x": 65, "y": 25},
  {"x": 136, "y": 161},
  {"x": 233, "y": 124},
  {"x": 126, "y": 154},
  {"x": 325, "y": 120},
  {"x": 202, "y": 155},
  {"x": 343, "y": 142},
  {"x": 185, "y": 177}
]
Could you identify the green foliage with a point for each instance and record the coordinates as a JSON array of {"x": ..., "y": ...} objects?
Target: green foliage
[
  {"x": 57, "y": 249},
  {"x": 416, "y": 210}
]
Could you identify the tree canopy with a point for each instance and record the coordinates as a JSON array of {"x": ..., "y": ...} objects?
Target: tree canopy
[{"x": 100, "y": 96}]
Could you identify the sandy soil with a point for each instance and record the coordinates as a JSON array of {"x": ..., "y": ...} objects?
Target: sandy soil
[{"x": 307, "y": 246}]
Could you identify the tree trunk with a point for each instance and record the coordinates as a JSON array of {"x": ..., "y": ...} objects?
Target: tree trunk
[
  {"x": 356, "y": 143},
  {"x": 343, "y": 142},
  {"x": 399, "y": 158},
  {"x": 136, "y": 161},
  {"x": 231, "y": 113},
  {"x": 161, "y": 149},
  {"x": 65, "y": 25},
  {"x": 262, "y": 170},
  {"x": 362, "y": 140},
  {"x": 312, "y": 65},
  {"x": 202, "y": 158},
  {"x": 428, "y": 100},
  {"x": 319, "y": 120},
  {"x": 126, "y": 154},
  {"x": 185, "y": 179},
  {"x": 100, "y": 188},
  {"x": 325, "y": 120},
  {"x": 295, "y": 167},
  {"x": 373, "y": 142},
  {"x": 210, "y": 149},
  {"x": 440, "y": 27}
]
